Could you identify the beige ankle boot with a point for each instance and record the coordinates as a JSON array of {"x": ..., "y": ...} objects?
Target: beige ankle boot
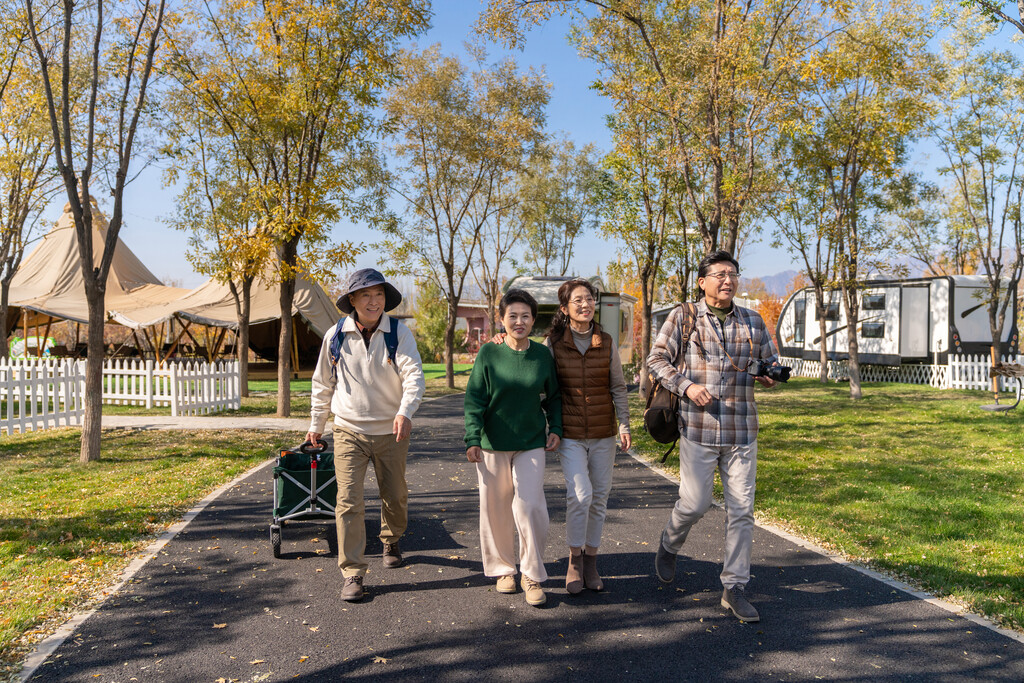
[
  {"x": 591, "y": 579},
  {"x": 574, "y": 575}
]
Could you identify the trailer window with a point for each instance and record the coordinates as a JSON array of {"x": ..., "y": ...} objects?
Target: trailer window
[
  {"x": 873, "y": 302},
  {"x": 799, "y": 320},
  {"x": 831, "y": 312},
  {"x": 872, "y": 330}
]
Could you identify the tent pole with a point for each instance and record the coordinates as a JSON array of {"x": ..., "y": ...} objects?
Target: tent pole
[
  {"x": 138, "y": 344},
  {"x": 24, "y": 330},
  {"x": 146, "y": 334},
  {"x": 219, "y": 343},
  {"x": 174, "y": 344},
  {"x": 186, "y": 331},
  {"x": 46, "y": 334}
]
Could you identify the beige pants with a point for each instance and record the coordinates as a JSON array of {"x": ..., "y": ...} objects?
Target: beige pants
[
  {"x": 512, "y": 500},
  {"x": 352, "y": 453},
  {"x": 737, "y": 467}
]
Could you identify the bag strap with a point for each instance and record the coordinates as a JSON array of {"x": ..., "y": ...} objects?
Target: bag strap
[
  {"x": 669, "y": 451},
  {"x": 390, "y": 343},
  {"x": 690, "y": 311}
]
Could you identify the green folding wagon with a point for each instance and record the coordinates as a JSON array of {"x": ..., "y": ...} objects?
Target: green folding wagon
[{"x": 305, "y": 488}]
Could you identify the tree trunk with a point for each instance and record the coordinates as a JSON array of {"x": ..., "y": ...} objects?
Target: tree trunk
[
  {"x": 92, "y": 422},
  {"x": 996, "y": 354},
  {"x": 449, "y": 343},
  {"x": 646, "y": 285},
  {"x": 5, "y": 295},
  {"x": 243, "y": 306},
  {"x": 853, "y": 348},
  {"x": 820, "y": 309},
  {"x": 287, "y": 253}
]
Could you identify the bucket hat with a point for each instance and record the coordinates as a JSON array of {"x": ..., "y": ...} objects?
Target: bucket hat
[{"x": 368, "y": 277}]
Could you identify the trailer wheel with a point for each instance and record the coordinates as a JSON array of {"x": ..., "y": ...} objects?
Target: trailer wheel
[
  {"x": 275, "y": 539},
  {"x": 332, "y": 540}
]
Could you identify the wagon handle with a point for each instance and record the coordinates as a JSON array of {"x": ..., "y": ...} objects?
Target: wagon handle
[{"x": 309, "y": 449}]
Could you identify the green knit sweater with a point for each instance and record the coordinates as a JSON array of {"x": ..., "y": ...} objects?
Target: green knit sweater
[{"x": 508, "y": 396}]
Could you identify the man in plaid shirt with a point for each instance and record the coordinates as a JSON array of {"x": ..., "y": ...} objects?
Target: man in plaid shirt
[{"x": 716, "y": 390}]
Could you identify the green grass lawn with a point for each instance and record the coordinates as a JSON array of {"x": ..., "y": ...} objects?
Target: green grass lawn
[
  {"x": 916, "y": 482},
  {"x": 66, "y": 530}
]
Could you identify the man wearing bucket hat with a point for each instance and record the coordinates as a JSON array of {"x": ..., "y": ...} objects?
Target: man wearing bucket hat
[{"x": 369, "y": 375}]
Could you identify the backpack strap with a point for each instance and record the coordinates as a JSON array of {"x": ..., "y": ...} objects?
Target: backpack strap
[
  {"x": 334, "y": 350},
  {"x": 390, "y": 343}
]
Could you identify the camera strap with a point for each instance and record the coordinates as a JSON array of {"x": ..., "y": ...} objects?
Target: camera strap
[{"x": 725, "y": 348}]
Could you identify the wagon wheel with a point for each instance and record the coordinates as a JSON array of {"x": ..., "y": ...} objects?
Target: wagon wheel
[
  {"x": 332, "y": 540},
  {"x": 275, "y": 539}
]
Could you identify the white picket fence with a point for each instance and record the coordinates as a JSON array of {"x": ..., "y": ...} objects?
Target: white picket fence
[
  {"x": 962, "y": 372},
  {"x": 40, "y": 396},
  {"x": 42, "y": 393}
]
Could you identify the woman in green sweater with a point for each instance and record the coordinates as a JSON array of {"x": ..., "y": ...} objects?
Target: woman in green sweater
[{"x": 512, "y": 393}]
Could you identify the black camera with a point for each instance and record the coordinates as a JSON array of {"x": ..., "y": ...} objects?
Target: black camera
[{"x": 762, "y": 368}]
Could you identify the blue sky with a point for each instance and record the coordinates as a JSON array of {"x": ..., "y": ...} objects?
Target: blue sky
[{"x": 574, "y": 110}]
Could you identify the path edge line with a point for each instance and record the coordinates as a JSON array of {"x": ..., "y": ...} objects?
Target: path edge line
[
  {"x": 49, "y": 645},
  {"x": 945, "y": 605}
]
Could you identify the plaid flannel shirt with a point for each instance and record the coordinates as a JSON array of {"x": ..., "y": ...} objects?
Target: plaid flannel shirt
[{"x": 731, "y": 417}]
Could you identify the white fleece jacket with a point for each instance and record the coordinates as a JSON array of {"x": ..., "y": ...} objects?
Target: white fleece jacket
[{"x": 366, "y": 394}]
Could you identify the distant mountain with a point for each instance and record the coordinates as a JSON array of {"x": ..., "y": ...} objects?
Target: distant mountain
[{"x": 777, "y": 284}]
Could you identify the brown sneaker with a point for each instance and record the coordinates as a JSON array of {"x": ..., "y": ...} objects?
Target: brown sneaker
[
  {"x": 534, "y": 593},
  {"x": 353, "y": 589},
  {"x": 392, "y": 555},
  {"x": 506, "y": 584}
]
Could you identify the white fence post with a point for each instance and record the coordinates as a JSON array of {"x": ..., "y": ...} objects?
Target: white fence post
[
  {"x": 149, "y": 384},
  {"x": 173, "y": 373}
]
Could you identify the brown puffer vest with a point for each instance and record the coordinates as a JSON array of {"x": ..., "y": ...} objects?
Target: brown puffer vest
[{"x": 587, "y": 408}]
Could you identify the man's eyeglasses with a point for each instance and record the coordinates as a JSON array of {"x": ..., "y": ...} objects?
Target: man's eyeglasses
[
  {"x": 580, "y": 302},
  {"x": 720, "y": 276}
]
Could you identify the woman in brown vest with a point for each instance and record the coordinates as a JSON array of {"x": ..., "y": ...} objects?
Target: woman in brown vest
[{"x": 594, "y": 412}]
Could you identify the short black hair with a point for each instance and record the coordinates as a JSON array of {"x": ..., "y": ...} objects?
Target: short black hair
[
  {"x": 517, "y": 296},
  {"x": 717, "y": 256}
]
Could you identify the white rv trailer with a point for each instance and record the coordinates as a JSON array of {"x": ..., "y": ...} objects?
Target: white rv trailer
[{"x": 921, "y": 320}]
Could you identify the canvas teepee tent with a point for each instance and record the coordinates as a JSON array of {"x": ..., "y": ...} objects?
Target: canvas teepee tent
[
  {"x": 49, "y": 283},
  {"x": 49, "y": 286}
]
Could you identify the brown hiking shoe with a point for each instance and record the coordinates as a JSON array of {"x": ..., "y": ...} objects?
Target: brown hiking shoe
[
  {"x": 574, "y": 574},
  {"x": 392, "y": 555},
  {"x": 506, "y": 584},
  {"x": 591, "y": 579},
  {"x": 534, "y": 593},
  {"x": 353, "y": 589}
]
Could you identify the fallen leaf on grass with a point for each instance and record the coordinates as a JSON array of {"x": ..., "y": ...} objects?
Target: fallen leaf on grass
[
  {"x": 380, "y": 660},
  {"x": 258, "y": 661},
  {"x": 302, "y": 659},
  {"x": 220, "y": 625},
  {"x": 314, "y": 629}
]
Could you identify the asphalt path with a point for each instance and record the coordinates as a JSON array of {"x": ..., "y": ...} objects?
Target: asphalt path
[{"x": 214, "y": 604}]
